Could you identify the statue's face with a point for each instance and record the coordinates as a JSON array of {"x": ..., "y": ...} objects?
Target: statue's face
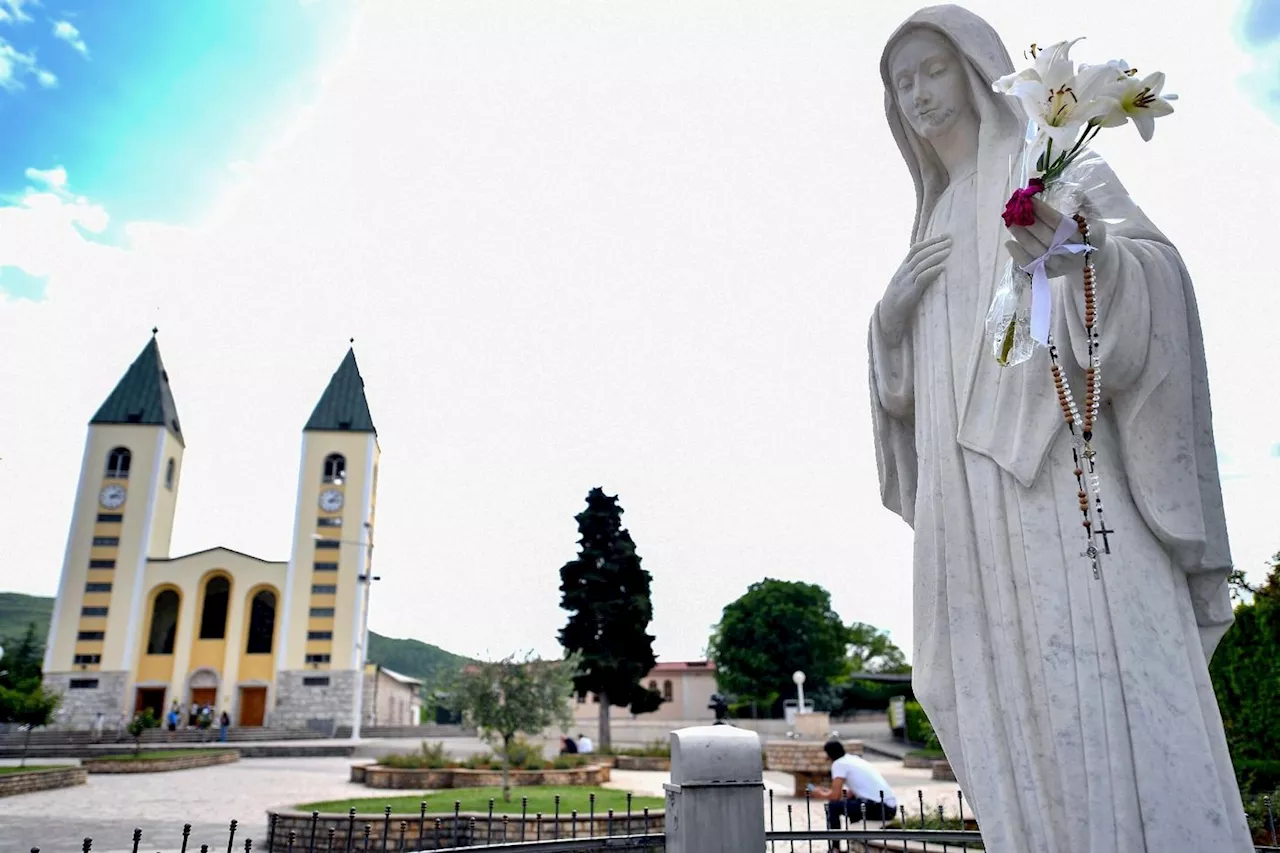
[{"x": 929, "y": 82}]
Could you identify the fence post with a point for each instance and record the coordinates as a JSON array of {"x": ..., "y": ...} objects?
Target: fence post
[{"x": 714, "y": 799}]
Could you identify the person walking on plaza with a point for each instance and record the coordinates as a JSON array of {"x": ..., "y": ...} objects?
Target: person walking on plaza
[{"x": 865, "y": 786}]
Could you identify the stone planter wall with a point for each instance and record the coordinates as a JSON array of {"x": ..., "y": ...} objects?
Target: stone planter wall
[
  {"x": 378, "y": 776},
  {"x": 422, "y": 834},
  {"x": 642, "y": 762},
  {"x": 804, "y": 760},
  {"x": 42, "y": 780},
  {"x": 942, "y": 772},
  {"x": 161, "y": 765}
]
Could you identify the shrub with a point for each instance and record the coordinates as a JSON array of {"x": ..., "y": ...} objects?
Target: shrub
[
  {"x": 524, "y": 755},
  {"x": 653, "y": 749},
  {"x": 919, "y": 729},
  {"x": 1257, "y": 776},
  {"x": 428, "y": 757}
]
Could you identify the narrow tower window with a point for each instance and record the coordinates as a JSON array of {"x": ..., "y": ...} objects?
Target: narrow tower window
[
  {"x": 335, "y": 468},
  {"x": 666, "y": 691},
  {"x": 118, "y": 463},
  {"x": 262, "y": 623},
  {"x": 164, "y": 623},
  {"x": 168, "y": 475},
  {"x": 213, "y": 617}
]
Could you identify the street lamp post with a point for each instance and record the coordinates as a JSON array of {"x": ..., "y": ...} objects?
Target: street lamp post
[
  {"x": 362, "y": 649},
  {"x": 798, "y": 678}
]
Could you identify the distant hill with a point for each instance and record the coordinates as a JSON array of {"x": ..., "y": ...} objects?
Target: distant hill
[
  {"x": 17, "y": 611},
  {"x": 411, "y": 657}
]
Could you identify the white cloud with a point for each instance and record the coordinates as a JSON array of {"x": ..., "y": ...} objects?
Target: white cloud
[
  {"x": 66, "y": 31},
  {"x": 42, "y": 233},
  {"x": 16, "y": 65},
  {"x": 55, "y": 177},
  {"x": 11, "y": 12}
]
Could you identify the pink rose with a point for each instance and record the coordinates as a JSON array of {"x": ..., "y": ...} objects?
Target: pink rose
[{"x": 1019, "y": 210}]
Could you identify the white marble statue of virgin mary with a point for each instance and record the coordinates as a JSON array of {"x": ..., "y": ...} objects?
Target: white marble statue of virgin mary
[{"x": 1077, "y": 711}]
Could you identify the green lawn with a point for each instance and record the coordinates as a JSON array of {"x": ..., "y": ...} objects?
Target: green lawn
[
  {"x": 541, "y": 799},
  {"x": 30, "y": 767},
  {"x": 935, "y": 754},
  {"x": 157, "y": 753}
]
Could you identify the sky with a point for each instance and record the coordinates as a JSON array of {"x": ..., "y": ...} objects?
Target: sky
[{"x": 628, "y": 244}]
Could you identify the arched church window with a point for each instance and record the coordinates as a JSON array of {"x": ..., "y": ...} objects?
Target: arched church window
[
  {"x": 213, "y": 616},
  {"x": 262, "y": 623},
  {"x": 118, "y": 463},
  {"x": 168, "y": 475},
  {"x": 335, "y": 468},
  {"x": 164, "y": 623}
]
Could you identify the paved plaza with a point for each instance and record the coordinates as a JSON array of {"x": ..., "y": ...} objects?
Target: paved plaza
[{"x": 110, "y": 807}]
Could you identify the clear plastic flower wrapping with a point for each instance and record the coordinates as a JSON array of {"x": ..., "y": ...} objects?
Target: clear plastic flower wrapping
[{"x": 1008, "y": 323}]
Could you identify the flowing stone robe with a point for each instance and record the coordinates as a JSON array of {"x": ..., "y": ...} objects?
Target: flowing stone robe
[{"x": 1077, "y": 712}]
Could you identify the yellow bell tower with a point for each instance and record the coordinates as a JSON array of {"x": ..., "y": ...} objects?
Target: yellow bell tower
[
  {"x": 320, "y": 657},
  {"x": 123, "y": 515}
]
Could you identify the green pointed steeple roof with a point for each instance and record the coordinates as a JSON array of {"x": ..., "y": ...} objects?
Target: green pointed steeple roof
[
  {"x": 142, "y": 395},
  {"x": 343, "y": 406}
]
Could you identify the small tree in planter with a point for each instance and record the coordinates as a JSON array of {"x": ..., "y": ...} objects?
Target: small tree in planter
[
  {"x": 23, "y": 699},
  {"x": 31, "y": 708},
  {"x": 142, "y": 721},
  {"x": 511, "y": 697}
]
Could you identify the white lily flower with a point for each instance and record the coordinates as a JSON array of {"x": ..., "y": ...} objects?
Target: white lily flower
[
  {"x": 1057, "y": 98},
  {"x": 1140, "y": 100}
]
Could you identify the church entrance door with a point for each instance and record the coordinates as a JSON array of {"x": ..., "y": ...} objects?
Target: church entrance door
[
  {"x": 202, "y": 696},
  {"x": 150, "y": 697},
  {"x": 253, "y": 705}
]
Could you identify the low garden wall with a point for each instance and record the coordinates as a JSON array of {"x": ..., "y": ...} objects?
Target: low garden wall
[
  {"x": 637, "y": 762},
  {"x": 806, "y": 761},
  {"x": 469, "y": 829},
  {"x": 41, "y": 779},
  {"x": 144, "y": 764},
  {"x": 942, "y": 772},
  {"x": 378, "y": 776}
]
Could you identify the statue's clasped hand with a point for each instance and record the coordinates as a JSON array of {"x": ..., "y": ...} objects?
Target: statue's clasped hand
[{"x": 1034, "y": 241}]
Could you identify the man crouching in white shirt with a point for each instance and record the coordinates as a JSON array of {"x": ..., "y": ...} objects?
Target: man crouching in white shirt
[{"x": 865, "y": 786}]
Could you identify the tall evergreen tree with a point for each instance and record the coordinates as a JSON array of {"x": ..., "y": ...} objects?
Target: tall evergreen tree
[{"x": 607, "y": 595}]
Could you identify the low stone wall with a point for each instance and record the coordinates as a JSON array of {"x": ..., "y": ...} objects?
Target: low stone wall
[
  {"x": 42, "y": 780},
  {"x": 378, "y": 776},
  {"x": 642, "y": 762},
  {"x": 161, "y": 765},
  {"x": 942, "y": 772},
  {"x": 442, "y": 831},
  {"x": 918, "y": 762}
]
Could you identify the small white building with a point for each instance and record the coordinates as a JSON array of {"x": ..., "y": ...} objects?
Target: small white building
[
  {"x": 391, "y": 698},
  {"x": 686, "y": 688}
]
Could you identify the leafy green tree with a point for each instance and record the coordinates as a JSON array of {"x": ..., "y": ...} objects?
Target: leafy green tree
[
  {"x": 774, "y": 629},
  {"x": 1246, "y": 678},
  {"x": 510, "y": 697},
  {"x": 23, "y": 699},
  {"x": 606, "y": 593},
  {"x": 143, "y": 720},
  {"x": 871, "y": 650}
]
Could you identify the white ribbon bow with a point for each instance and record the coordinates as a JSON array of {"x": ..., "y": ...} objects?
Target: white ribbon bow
[{"x": 1041, "y": 298}]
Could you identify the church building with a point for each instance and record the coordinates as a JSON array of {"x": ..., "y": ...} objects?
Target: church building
[{"x": 272, "y": 643}]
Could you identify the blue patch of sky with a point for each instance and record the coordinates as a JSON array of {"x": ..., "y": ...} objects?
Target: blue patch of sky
[
  {"x": 1260, "y": 22},
  {"x": 169, "y": 95},
  {"x": 16, "y": 283}
]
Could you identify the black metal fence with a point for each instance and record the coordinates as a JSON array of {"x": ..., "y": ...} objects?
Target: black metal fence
[{"x": 791, "y": 827}]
